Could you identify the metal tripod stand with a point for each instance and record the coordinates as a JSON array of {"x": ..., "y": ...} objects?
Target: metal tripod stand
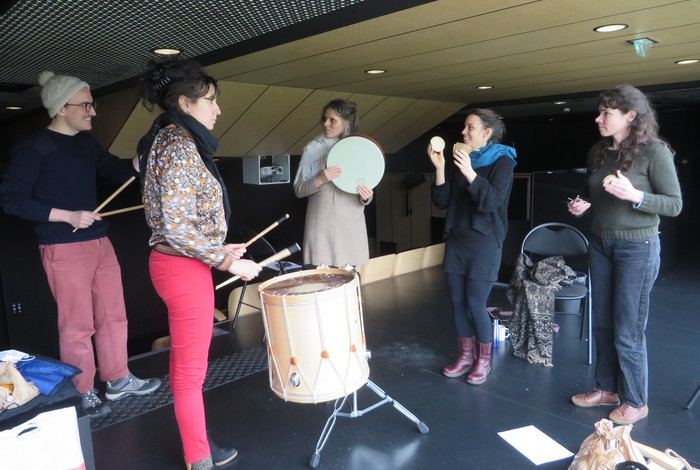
[{"x": 355, "y": 413}]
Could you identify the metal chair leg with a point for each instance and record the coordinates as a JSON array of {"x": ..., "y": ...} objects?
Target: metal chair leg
[{"x": 692, "y": 400}]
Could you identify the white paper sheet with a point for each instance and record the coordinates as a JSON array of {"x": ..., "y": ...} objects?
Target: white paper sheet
[{"x": 535, "y": 445}]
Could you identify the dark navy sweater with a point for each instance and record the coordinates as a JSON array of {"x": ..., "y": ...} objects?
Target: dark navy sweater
[{"x": 54, "y": 170}]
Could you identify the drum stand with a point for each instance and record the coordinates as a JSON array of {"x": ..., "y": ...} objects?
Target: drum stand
[{"x": 355, "y": 413}]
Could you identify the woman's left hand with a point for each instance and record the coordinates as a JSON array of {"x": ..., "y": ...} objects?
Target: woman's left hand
[
  {"x": 464, "y": 163},
  {"x": 365, "y": 192},
  {"x": 622, "y": 188},
  {"x": 235, "y": 250}
]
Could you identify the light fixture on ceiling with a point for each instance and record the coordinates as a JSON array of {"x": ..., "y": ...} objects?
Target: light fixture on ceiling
[
  {"x": 642, "y": 46},
  {"x": 13, "y": 108},
  {"x": 610, "y": 28},
  {"x": 484, "y": 87},
  {"x": 375, "y": 71},
  {"x": 687, "y": 61},
  {"x": 166, "y": 51},
  {"x": 560, "y": 102}
]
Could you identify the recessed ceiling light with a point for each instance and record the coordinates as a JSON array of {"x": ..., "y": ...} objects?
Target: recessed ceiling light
[
  {"x": 13, "y": 108},
  {"x": 484, "y": 87},
  {"x": 610, "y": 28},
  {"x": 166, "y": 51},
  {"x": 687, "y": 61},
  {"x": 560, "y": 102},
  {"x": 375, "y": 71}
]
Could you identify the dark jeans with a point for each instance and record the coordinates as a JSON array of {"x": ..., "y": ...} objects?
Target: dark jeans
[{"x": 622, "y": 275}]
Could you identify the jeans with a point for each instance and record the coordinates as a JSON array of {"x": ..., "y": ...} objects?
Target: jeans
[{"x": 622, "y": 275}]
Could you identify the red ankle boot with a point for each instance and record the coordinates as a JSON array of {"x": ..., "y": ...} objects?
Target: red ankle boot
[
  {"x": 464, "y": 361},
  {"x": 482, "y": 367}
]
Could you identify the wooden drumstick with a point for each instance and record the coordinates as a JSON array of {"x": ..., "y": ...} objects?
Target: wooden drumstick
[
  {"x": 119, "y": 211},
  {"x": 272, "y": 225},
  {"x": 114, "y": 194},
  {"x": 276, "y": 257}
]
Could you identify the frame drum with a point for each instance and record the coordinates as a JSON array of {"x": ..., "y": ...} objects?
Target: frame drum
[
  {"x": 315, "y": 334},
  {"x": 362, "y": 162}
]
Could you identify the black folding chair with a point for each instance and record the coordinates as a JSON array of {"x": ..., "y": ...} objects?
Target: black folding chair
[{"x": 558, "y": 239}]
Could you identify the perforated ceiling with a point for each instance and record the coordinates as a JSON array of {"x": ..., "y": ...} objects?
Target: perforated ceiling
[{"x": 106, "y": 41}]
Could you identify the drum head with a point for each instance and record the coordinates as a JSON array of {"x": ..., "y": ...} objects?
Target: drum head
[
  {"x": 308, "y": 282},
  {"x": 362, "y": 162}
]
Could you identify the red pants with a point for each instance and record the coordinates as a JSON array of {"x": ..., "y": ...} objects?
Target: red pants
[
  {"x": 186, "y": 287},
  {"x": 86, "y": 281}
]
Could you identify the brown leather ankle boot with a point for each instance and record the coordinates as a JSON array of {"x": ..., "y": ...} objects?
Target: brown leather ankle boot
[
  {"x": 464, "y": 361},
  {"x": 482, "y": 367}
]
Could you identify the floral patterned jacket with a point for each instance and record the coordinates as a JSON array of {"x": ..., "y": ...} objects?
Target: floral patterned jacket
[{"x": 183, "y": 201}]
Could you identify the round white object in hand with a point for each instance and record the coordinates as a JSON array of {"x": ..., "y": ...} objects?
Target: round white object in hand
[{"x": 437, "y": 143}]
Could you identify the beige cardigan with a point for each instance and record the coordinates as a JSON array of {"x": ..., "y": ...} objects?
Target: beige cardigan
[{"x": 335, "y": 232}]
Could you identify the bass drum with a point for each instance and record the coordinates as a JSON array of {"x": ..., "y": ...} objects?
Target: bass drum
[{"x": 315, "y": 334}]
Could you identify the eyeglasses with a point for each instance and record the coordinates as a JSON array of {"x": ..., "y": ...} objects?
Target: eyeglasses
[{"x": 87, "y": 106}]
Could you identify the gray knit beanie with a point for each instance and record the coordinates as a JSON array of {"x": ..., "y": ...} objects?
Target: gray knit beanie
[{"x": 57, "y": 90}]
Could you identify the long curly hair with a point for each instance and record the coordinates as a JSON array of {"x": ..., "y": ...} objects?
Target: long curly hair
[{"x": 643, "y": 130}]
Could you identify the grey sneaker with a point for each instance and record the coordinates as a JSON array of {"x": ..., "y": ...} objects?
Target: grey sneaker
[
  {"x": 93, "y": 406},
  {"x": 131, "y": 385}
]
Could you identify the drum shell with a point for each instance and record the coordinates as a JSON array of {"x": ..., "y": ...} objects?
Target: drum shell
[{"x": 303, "y": 328}]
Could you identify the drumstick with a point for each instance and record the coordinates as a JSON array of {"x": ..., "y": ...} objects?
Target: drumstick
[
  {"x": 114, "y": 194},
  {"x": 119, "y": 211},
  {"x": 276, "y": 257},
  {"x": 272, "y": 225}
]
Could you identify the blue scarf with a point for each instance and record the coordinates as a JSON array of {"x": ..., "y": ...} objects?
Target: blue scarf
[{"x": 491, "y": 152}]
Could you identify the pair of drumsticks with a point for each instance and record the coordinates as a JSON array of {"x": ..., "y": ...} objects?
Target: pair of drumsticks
[
  {"x": 113, "y": 195},
  {"x": 272, "y": 259}
]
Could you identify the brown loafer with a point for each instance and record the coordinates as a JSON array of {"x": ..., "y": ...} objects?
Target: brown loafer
[
  {"x": 595, "y": 397},
  {"x": 628, "y": 414}
]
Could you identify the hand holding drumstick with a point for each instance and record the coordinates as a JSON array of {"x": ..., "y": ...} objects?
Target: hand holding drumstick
[{"x": 85, "y": 218}]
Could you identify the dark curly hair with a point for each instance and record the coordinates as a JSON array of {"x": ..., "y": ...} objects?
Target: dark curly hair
[
  {"x": 164, "y": 81},
  {"x": 643, "y": 130}
]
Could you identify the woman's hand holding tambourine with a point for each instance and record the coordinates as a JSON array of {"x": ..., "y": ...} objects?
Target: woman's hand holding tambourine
[
  {"x": 620, "y": 186},
  {"x": 464, "y": 162},
  {"x": 328, "y": 174},
  {"x": 365, "y": 192},
  {"x": 436, "y": 157}
]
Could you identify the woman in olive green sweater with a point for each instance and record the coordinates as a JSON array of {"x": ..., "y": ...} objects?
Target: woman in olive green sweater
[{"x": 632, "y": 181}]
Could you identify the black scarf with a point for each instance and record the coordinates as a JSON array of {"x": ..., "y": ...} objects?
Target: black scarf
[{"x": 205, "y": 142}]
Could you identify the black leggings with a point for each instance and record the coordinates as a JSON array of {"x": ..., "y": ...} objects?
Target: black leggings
[{"x": 469, "y": 307}]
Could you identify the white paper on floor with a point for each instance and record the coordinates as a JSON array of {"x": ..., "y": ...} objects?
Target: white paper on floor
[{"x": 535, "y": 445}]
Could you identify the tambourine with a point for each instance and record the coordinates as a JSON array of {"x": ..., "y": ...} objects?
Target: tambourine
[{"x": 362, "y": 162}]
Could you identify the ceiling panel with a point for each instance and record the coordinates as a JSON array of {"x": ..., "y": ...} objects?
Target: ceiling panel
[
  {"x": 279, "y": 61},
  {"x": 265, "y": 113}
]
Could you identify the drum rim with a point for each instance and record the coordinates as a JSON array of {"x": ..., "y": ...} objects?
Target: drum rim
[{"x": 296, "y": 274}]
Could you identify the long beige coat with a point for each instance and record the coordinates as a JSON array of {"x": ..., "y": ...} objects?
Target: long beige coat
[{"x": 335, "y": 232}]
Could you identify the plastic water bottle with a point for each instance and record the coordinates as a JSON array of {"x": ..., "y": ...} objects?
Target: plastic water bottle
[{"x": 495, "y": 333}]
